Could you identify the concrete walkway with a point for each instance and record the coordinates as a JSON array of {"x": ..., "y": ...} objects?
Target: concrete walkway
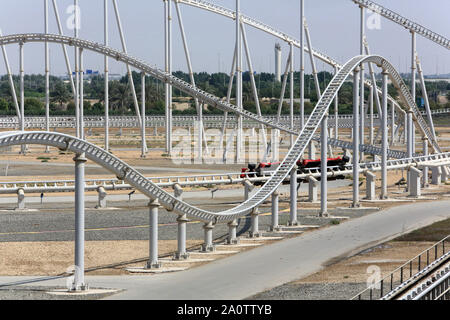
[{"x": 251, "y": 272}]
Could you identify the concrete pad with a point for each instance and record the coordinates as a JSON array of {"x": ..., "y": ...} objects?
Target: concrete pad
[
  {"x": 421, "y": 198},
  {"x": 19, "y": 210},
  {"x": 218, "y": 253},
  {"x": 302, "y": 226},
  {"x": 169, "y": 260},
  {"x": 287, "y": 232},
  {"x": 156, "y": 270},
  {"x": 239, "y": 245},
  {"x": 261, "y": 238},
  {"x": 66, "y": 293},
  {"x": 386, "y": 200},
  {"x": 360, "y": 209}
]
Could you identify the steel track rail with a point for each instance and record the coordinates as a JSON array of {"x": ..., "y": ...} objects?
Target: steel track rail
[
  {"x": 404, "y": 22},
  {"x": 153, "y": 191},
  {"x": 274, "y": 32},
  {"x": 147, "y": 187},
  {"x": 214, "y": 179},
  {"x": 215, "y": 101}
]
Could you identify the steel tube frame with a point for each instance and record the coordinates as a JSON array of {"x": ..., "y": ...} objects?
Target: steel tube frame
[
  {"x": 106, "y": 41},
  {"x": 238, "y": 80},
  {"x": 47, "y": 74},
  {"x": 124, "y": 49},
  {"x": 362, "y": 79},
  {"x": 302, "y": 63},
  {"x": 66, "y": 56},
  {"x": 324, "y": 167},
  {"x": 230, "y": 88},
  {"x": 198, "y": 106},
  {"x": 291, "y": 93},
  {"x": 79, "y": 282},
  {"x": 81, "y": 57},
  {"x": 143, "y": 124},
  {"x": 336, "y": 111},
  {"x": 384, "y": 131},
  {"x": 77, "y": 74},
  {"x": 253, "y": 83},
  {"x": 413, "y": 84},
  {"x": 293, "y": 198},
  {"x": 22, "y": 94},
  {"x": 153, "y": 262},
  {"x": 356, "y": 123}
]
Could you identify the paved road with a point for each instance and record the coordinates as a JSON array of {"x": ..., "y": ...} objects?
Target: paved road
[{"x": 254, "y": 271}]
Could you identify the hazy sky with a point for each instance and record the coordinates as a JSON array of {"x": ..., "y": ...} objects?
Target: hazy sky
[{"x": 334, "y": 26}]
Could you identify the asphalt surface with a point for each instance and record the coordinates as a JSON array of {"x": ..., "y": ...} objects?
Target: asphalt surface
[
  {"x": 258, "y": 270},
  {"x": 124, "y": 220}
]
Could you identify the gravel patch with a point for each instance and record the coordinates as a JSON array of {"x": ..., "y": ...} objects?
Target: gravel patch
[{"x": 312, "y": 291}]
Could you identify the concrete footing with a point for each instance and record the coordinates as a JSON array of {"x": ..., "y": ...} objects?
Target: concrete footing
[
  {"x": 370, "y": 185},
  {"x": 415, "y": 176},
  {"x": 313, "y": 189}
]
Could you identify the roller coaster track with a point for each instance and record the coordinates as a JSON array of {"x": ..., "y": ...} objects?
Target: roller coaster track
[
  {"x": 404, "y": 22},
  {"x": 217, "y": 102},
  {"x": 204, "y": 5},
  {"x": 206, "y": 180},
  {"x": 125, "y": 172}
]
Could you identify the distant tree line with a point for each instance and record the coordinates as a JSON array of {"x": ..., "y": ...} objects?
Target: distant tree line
[{"x": 121, "y": 99}]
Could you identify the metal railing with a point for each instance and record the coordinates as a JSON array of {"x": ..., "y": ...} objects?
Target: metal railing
[{"x": 406, "y": 274}]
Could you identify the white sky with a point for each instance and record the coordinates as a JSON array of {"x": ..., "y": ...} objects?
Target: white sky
[{"x": 334, "y": 26}]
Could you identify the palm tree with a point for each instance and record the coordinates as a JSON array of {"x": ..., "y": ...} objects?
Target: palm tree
[{"x": 60, "y": 94}]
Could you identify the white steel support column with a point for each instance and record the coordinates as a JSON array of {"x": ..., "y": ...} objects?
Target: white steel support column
[
  {"x": 293, "y": 198},
  {"x": 362, "y": 79},
  {"x": 11, "y": 81},
  {"x": 22, "y": 94},
  {"x": 77, "y": 72},
  {"x": 291, "y": 91},
  {"x": 47, "y": 75},
  {"x": 324, "y": 167},
  {"x": 124, "y": 49},
  {"x": 425, "y": 98},
  {"x": 106, "y": 41},
  {"x": 384, "y": 138},
  {"x": 80, "y": 161},
  {"x": 153, "y": 262},
  {"x": 253, "y": 83},
  {"x": 208, "y": 246},
  {"x": 392, "y": 123},
  {"x": 355, "y": 161},
  {"x": 413, "y": 84},
  {"x": 225, "y": 114},
  {"x": 302, "y": 63},
  {"x": 254, "y": 231},
  {"x": 81, "y": 93},
  {"x": 143, "y": 141},
  {"x": 371, "y": 99},
  {"x": 336, "y": 111},
  {"x": 232, "y": 238},
  {"x": 66, "y": 55},
  {"x": 168, "y": 69},
  {"x": 239, "y": 142},
  {"x": 425, "y": 169},
  {"x": 198, "y": 106},
  {"x": 275, "y": 212}
]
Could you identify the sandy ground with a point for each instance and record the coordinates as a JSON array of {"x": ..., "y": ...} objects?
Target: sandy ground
[{"x": 53, "y": 258}]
